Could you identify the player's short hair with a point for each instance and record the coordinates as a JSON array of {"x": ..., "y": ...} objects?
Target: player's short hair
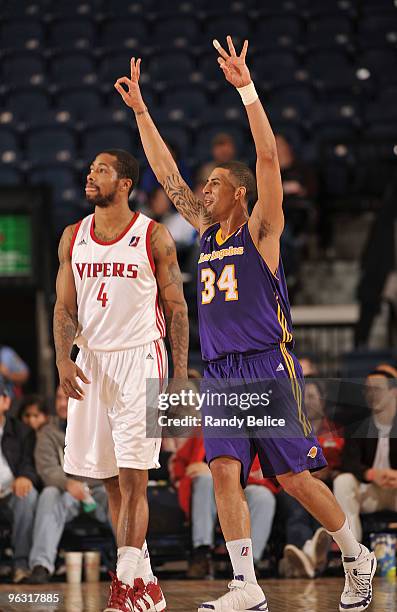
[
  {"x": 244, "y": 176},
  {"x": 126, "y": 166}
]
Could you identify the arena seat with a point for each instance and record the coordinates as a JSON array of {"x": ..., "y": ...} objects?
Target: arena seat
[
  {"x": 380, "y": 62},
  {"x": 219, "y": 27},
  {"x": 275, "y": 68},
  {"x": 62, "y": 180},
  {"x": 21, "y": 33},
  {"x": 167, "y": 30},
  {"x": 284, "y": 31},
  {"x": 120, "y": 31},
  {"x": 23, "y": 67},
  {"x": 80, "y": 101},
  {"x": 96, "y": 139},
  {"x": 27, "y": 102},
  {"x": 160, "y": 67},
  {"x": 9, "y": 145},
  {"x": 50, "y": 144},
  {"x": 9, "y": 175},
  {"x": 191, "y": 99},
  {"x": 79, "y": 8},
  {"x": 77, "y": 32},
  {"x": 73, "y": 67}
]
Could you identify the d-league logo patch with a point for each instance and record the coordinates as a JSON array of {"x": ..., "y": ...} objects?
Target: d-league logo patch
[
  {"x": 244, "y": 551},
  {"x": 313, "y": 452},
  {"x": 134, "y": 241}
]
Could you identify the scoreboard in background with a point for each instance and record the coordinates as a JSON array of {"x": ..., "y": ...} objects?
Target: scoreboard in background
[
  {"x": 25, "y": 238},
  {"x": 15, "y": 245}
]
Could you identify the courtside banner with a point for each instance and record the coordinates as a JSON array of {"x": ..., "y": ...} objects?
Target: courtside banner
[{"x": 268, "y": 408}]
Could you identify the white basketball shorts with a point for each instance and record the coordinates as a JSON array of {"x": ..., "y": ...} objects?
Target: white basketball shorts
[{"x": 108, "y": 429}]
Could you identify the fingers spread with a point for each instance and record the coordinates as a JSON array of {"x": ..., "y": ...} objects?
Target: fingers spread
[
  {"x": 220, "y": 49},
  {"x": 244, "y": 50},
  {"x": 231, "y": 46},
  {"x": 138, "y": 68}
]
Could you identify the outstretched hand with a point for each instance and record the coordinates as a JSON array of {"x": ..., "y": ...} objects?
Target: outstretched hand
[
  {"x": 233, "y": 65},
  {"x": 132, "y": 95}
]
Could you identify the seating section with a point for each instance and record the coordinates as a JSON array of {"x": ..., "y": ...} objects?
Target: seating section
[{"x": 326, "y": 72}]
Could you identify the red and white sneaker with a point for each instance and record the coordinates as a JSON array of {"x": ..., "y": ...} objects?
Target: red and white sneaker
[
  {"x": 148, "y": 597},
  {"x": 121, "y": 598}
]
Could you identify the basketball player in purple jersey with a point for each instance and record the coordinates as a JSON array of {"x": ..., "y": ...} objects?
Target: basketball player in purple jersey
[{"x": 246, "y": 334}]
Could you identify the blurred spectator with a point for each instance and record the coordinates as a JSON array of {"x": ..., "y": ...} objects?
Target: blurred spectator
[
  {"x": 161, "y": 209},
  {"x": 193, "y": 479},
  {"x": 223, "y": 149},
  {"x": 149, "y": 183},
  {"x": 370, "y": 455},
  {"x": 309, "y": 367},
  {"x": 18, "y": 479},
  {"x": 300, "y": 190},
  {"x": 33, "y": 411},
  {"x": 62, "y": 499},
  {"x": 306, "y": 551},
  {"x": 14, "y": 371}
]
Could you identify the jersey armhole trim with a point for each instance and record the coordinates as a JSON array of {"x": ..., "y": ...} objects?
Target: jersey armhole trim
[
  {"x": 149, "y": 246},
  {"x": 76, "y": 230}
]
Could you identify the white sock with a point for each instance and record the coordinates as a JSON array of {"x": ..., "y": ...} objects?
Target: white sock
[
  {"x": 240, "y": 552},
  {"x": 144, "y": 568},
  {"x": 127, "y": 562},
  {"x": 346, "y": 541}
]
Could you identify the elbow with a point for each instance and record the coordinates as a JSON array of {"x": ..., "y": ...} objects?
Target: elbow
[{"x": 267, "y": 154}]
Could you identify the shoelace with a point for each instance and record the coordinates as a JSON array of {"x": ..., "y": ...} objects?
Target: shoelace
[
  {"x": 357, "y": 585},
  {"x": 118, "y": 592}
]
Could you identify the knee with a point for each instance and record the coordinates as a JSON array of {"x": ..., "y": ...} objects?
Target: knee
[
  {"x": 296, "y": 485},
  {"x": 225, "y": 473}
]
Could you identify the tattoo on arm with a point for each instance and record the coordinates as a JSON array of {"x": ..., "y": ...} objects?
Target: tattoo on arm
[
  {"x": 170, "y": 284},
  {"x": 65, "y": 321},
  {"x": 190, "y": 207}
]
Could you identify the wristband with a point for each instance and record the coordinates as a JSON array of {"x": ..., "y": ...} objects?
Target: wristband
[{"x": 248, "y": 94}]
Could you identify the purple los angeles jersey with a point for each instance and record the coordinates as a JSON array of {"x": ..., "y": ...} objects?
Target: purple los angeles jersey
[{"x": 243, "y": 307}]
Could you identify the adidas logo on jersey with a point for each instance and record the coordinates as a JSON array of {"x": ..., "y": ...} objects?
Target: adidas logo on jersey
[
  {"x": 82, "y": 242},
  {"x": 149, "y": 356},
  {"x": 134, "y": 241},
  {"x": 280, "y": 368}
]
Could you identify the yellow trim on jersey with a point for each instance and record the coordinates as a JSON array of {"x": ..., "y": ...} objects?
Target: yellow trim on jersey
[
  {"x": 289, "y": 362},
  {"x": 218, "y": 235}
]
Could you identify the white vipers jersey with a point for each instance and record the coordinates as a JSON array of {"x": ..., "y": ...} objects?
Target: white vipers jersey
[{"x": 117, "y": 298}]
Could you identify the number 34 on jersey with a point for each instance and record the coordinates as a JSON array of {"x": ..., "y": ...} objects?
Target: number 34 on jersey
[{"x": 227, "y": 282}]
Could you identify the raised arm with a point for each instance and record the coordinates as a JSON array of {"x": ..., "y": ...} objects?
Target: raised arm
[
  {"x": 65, "y": 320},
  {"x": 158, "y": 155},
  {"x": 170, "y": 286},
  {"x": 267, "y": 219}
]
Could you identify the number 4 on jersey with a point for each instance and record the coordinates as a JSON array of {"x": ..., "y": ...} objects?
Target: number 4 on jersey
[{"x": 102, "y": 296}]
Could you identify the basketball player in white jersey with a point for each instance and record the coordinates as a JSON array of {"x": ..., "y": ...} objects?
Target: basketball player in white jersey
[{"x": 119, "y": 289}]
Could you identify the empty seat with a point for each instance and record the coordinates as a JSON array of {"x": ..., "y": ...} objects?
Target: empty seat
[
  {"x": 278, "y": 31},
  {"x": 12, "y": 9},
  {"x": 72, "y": 67},
  {"x": 172, "y": 66},
  {"x": 378, "y": 27},
  {"x": 10, "y": 175},
  {"x": 334, "y": 121},
  {"x": 274, "y": 68},
  {"x": 26, "y": 103},
  {"x": 176, "y": 29},
  {"x": 331, "y": 70},
  {"x": 337, "y": 24},
  {"x": 66, "y": 33},
  {"x": 382, "y": 63},
  {"x": 219, "y": 27},
  {"x": 128, "y": 8},
  {"x": 23, "y": 67},
  {"x": 114, "y": 65},
  {"x": 60, "y": 178},
  {"x": 9, "y": 145},
  {"x": 178, "y": 136},
  {"x": 98, "y": 139},
  {"x": 51, "y": 144},
  {"x": 124, "y": 32},
  {"x": 66, "y": 9},
  {"x": 21, "y": 33},
  {"x": 299, "y": 96},
  {"x": 190, "y": 99},
  {"x": 79, "y": 101},
  {"x": 208, "y": 66}
]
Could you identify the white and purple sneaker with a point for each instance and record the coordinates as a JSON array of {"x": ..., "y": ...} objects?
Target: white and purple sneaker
[
  {"x": 359, "y": 572},
  {"x": 242, "y": 596}
]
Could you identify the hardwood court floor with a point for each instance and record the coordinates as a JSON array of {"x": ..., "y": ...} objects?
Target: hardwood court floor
[{"x": 320, "y": 595}]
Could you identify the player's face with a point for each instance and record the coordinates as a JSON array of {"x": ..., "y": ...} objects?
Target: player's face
[
  {"x": 102, "y": 181},
  {"x": 61, "y": 404},
  {"x": 219, "y": 194}
]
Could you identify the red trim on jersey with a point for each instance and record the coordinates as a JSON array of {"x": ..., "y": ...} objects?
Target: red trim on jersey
[
  {"x": 160, "y": 321},
  {"x": 76, "y": 229},
  {"x": 129, "y": 226},
  {"x": 149, "y": 246},
  {"x": 159, "y": 364}
]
